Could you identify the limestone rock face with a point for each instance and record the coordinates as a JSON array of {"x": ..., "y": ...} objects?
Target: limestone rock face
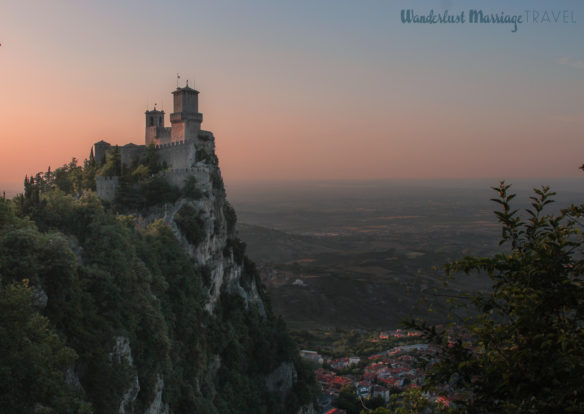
[
  {"x": 129, "y": 396},
  {"x": 211, "y": 251},
  {"x": 157, "y": 406},
  {"x": 39, "y": 297},
  {"x": 72, "y": 380},
  {"x": 122, "y": 354},
  {"x": 162, "y": 324},
  {"x": 203, "y": 222},
  {"x": 282, "y": 378}
]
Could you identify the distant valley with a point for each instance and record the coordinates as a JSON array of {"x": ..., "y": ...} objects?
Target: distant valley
[{"x": 368, "y": 255}]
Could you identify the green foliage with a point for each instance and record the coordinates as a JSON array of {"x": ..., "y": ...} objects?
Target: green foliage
[
  {"x": 524, "y": 350},
  {"x": 135, "y": 192},
  {"x": 106, "y": 277},
  {"x": 89, "y": 303},
  {"x": 190, "y": 224},
  {"x": 251, "y": 346},
  {"x": 191, "y": 189},
  {"x": 236, "y": 247},
  {"x": 7, "y": 216},
  {"x": 140, "y": 187},
  {"x": 347, "y": 400},
  {"x": 89, "y": 174},
  {"x": 33, "y": 358},
  {"x": 152, "y": 161},
  {"x": 69, "y": 179},
  {"x": 140, "y": 173},
  {"x": 113, "y": 163}
]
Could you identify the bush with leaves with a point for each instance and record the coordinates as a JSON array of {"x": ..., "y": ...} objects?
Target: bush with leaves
[
  {"x": 523, "y": 352},
  {"x": 113, "y": 164},
  {"x": 103, "y": 276},
  {"x": 33, "y": 358},
  {"x": 190, "y": 224}
]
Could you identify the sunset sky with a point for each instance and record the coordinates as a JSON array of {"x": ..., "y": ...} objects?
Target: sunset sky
[{"x": 298, "y": 90}]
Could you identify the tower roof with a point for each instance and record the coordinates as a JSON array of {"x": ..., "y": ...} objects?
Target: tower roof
[{"x": 186, "y": 89}]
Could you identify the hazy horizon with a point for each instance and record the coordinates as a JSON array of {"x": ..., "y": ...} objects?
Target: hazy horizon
[{"x": 242, "y": 189}]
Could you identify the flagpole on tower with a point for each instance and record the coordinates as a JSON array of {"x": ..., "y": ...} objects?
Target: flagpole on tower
[{"x": 177, "y": 78}]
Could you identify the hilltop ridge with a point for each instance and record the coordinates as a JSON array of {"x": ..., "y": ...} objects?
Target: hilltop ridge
[{"x": 149, "y": 290}]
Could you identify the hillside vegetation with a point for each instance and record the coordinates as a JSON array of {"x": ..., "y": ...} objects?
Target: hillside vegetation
[{"x": 103, "y": 312}]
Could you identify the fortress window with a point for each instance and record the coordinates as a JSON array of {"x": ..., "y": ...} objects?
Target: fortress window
[{"x": 151, "y": 121}]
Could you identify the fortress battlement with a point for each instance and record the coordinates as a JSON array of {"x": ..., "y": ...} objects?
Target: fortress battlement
[
  {"x": 178, "y": 176},
  {"x": 199, "y": 169},
  {"x": 176, "y": 147},
  {"x": 169, "y": 145}
]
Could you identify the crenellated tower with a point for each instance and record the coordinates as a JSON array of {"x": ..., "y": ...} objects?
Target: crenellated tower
[
  {"x": 156, "y": 132},
  {"x": 186, "y": 120},
  {"x": 183, "y": 148}
]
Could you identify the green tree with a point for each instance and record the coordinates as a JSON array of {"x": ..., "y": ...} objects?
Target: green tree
[
  {"x": 33, "y": 358},
  {"x": 89, "y": 173},
  {"x": 152, "y": 159},
  {"x": 523, "y": 352},
  {"x": 97, "y": 276},
  {"x": 347, "y": 400},
  {"x": 68, "y": 178},
  {"x": 190, "y": 224},
  {"x": 113, "y": 163}
]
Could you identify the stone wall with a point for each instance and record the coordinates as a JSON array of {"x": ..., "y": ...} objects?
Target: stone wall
[
  {"x": 131, "y": 152},
  {"x": 99, "y": 150},
  {"x": 177, "y": 155},
  {"x": 106, "y": 187},
  {"x": 177, "y": 177},
  {"x": 180, "y": 157},
  {"x": 157, "y": 134}
]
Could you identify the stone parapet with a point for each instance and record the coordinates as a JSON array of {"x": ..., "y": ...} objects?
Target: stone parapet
[{"x": 106, "y": 187}]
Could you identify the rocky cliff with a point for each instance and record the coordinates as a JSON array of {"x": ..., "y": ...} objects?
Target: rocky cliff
[{"x": 163, "y": 310}]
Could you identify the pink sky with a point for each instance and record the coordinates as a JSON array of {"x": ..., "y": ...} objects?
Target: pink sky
[{"x": 294, "y": 91}]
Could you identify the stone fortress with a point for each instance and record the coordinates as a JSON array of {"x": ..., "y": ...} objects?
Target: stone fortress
[{"x": 183, "y": 146}]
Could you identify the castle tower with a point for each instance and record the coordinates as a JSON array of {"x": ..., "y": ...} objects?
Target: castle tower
[
  {"x": 185, "y": 120},
  {"x": 154, "y": 126},
  {"x": 154, "y": 118},
  {"x": 99, "y": 150}
]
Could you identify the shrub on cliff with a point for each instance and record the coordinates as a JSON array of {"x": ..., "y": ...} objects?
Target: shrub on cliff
[
  {"x": 103, "y": 277},
  {"x": 190, "y": 224},
  {"x": 524, "y": 351}
]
